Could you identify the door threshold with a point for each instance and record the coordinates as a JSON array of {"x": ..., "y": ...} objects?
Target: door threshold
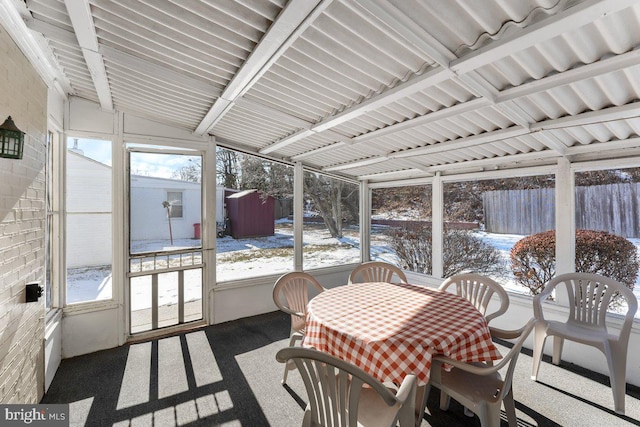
[{"x": 165, "y": 332}]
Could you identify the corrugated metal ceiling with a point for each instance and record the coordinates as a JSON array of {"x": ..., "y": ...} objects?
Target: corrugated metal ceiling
[{"x": 370, "y": 89}]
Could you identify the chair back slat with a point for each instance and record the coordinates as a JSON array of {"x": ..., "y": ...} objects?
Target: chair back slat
[
  {"x": 334, "y": 388},
  {"x": 291, "y": 295},
  {"x": 589, "y": 297},
  {"x": 377, "y": 271},
  {"x": 478, "y": 290}
]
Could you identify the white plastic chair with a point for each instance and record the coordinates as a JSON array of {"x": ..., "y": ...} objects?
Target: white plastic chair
[
  {"x": 376, "y": 271},
  {"x": 291, "y": 295},
  {"x": 589, "y": 297},
  {"x": 478, "y": 290},
  {"x": 343, "y": 395},
  {"x": 480, "y": 387}
]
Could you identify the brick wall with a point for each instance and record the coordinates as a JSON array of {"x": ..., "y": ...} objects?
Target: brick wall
[{"x": 23, "y": 95}]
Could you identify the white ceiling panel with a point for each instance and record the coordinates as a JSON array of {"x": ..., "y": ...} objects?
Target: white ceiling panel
[{"x": 367, "y": 89}]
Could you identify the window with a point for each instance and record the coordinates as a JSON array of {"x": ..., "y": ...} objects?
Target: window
[
  {"x": 331, "y": 232},
  {"x": 254, "y": 216},
  {"x": 608, "y": 226},
  {"x": 484, "y": 219},
  {"x": 174, "y": 200},
  {"x": 401, "y": 227},
  {"x": 88, "y": 220},
  {"x": 51, "y": 221}
]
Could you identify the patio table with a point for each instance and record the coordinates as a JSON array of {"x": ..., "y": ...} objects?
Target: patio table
[{"x": 391, "y": 330}]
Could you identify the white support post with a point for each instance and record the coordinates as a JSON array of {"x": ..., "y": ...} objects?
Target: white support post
[
  {"x": 365, "y": 221},
  {"x": 209, "y": 229},
  {"x": 437, "y": 226},
  {"x": 298, "y": 217},
  {"x": 565, "y": 221},
  {"x": 120, "y": 233}
]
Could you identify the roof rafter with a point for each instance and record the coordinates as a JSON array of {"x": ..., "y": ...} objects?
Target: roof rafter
[
  {"x": 465, "y": 67},
  {"x": 413, "y": 85},
  {"x": 563, "y": 22},
  {"x": 606, "y": 115},
  {"x": 82, "y": 20},
  {"x": 297, "y": 16}
]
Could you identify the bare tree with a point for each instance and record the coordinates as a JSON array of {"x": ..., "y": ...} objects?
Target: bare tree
[
  {"x": 191, "y": 172},
  {"x": 335, "y": 201},
  {"x": 228, "y": 167}
]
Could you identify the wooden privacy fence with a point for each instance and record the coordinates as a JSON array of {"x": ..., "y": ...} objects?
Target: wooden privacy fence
[{"x": 613, "y": 207}]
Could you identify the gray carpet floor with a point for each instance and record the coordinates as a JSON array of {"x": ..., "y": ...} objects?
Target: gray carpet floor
[{"x": 227, "y": 375}]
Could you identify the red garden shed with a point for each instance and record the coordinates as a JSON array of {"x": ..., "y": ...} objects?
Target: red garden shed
[{"x": 251, "y": 214}]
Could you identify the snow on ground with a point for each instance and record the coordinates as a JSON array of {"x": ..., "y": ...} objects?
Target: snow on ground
[{"x": 242, "y": 258}]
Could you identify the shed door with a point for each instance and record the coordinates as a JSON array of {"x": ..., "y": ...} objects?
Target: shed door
[{"x": 165, "y": 246}]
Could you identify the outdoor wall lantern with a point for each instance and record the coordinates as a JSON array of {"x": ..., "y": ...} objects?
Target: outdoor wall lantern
[{"x": 11, "y": 140}]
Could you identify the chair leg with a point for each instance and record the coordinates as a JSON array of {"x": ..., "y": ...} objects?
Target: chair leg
[
  {"x": 540, "y": 335},
  {"x": 306, "y": 420},
  {"x": 510, "y": 409},
  {"x": 289, "y": 366},
  {"x": 408, "y": 413},
  {"x": 490, "y": 416},
  {"x": 617, "y": 361},
  {"x": 444, "y": 400},
  {"x": 558, "y": 342},
  {"x": 422, "y": 396}
]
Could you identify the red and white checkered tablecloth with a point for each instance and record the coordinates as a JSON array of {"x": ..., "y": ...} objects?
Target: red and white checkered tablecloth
[{"x": 391, "y": 330}]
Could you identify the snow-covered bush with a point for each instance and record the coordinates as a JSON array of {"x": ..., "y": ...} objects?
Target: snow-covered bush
[
  {"x": 463, "y": 252},
  {"x": 533, "y": 258}
]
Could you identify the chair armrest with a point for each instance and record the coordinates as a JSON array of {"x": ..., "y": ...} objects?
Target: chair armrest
[
  {"x": 538, "y": 299},
  {"x": 465, "y": 366},
  {"x": 506, "y": 334},
  {"x": 293, "y": 312},
  {"x": 407, "y": 388}
]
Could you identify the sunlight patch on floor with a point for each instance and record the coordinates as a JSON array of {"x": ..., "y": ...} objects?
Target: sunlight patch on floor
[{"x": 136, "y": 380}]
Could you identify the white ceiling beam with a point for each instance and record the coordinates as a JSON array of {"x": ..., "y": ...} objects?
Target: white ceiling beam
[
  {"x": 295, "y": 137},
  {"x": 356, "y": 164},
  {"x": 401, "y": 174},
  {"x": 416, "y": 84},
  {"x": 556, "y": 147},
  {"x": 574, "y": 17},
  {"x": 294, "y": 19},
  {"x": 483, "y": 164},
  {"x": 524, "y": 158},
  {"x": 461, "y": 143},
  {"x": 441, "y": 114},
  {"x": 82, "y": 20},
  {"x": 320, "y": 150},
  {"x": 584, "y": 72},
  {"x": 596, "y": 147},
  {"x": 595, "y": 69},
  {"x": 465, "y": 67},
  {"x": 622, "y": 112}
]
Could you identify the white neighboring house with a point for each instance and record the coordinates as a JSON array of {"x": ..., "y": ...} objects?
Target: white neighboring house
[
  {"x": 89, "y": 211},
  {"x": 88, "y": 204},
  {"x": 149, "y": 219}
]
